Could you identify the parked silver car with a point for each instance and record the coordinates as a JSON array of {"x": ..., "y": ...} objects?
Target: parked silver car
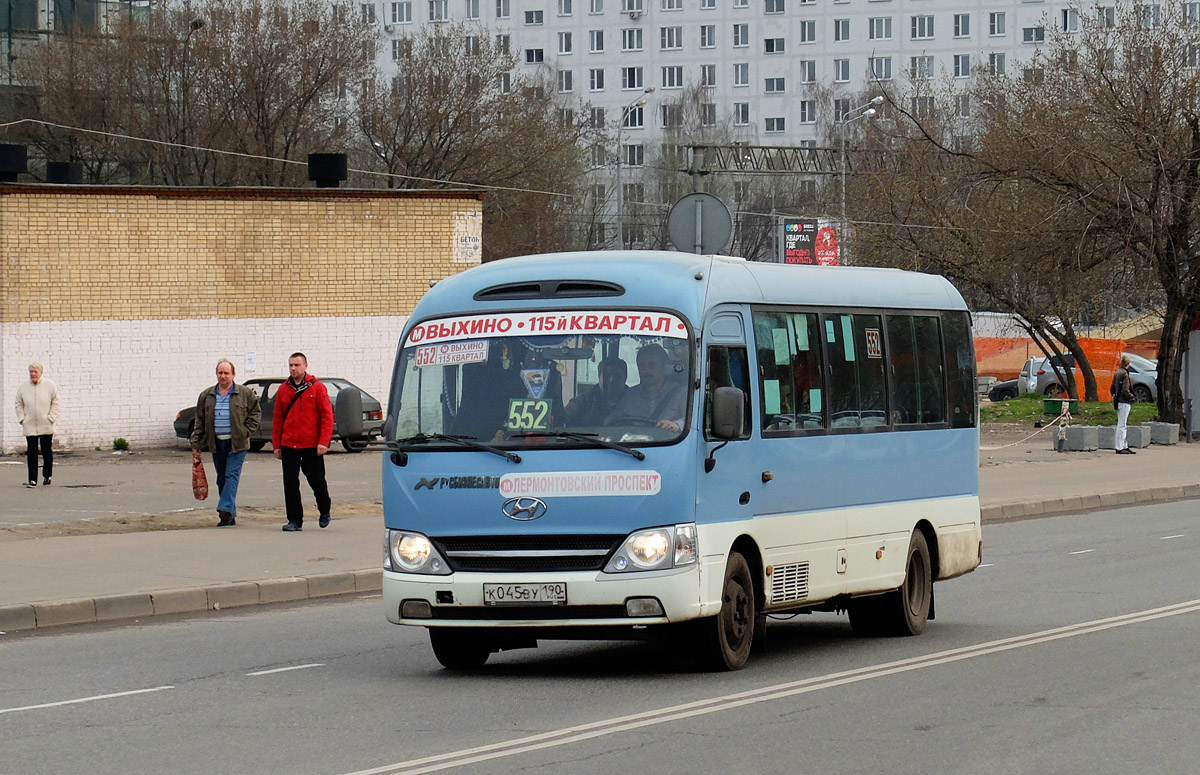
[{"x": 1039, "y": 377}]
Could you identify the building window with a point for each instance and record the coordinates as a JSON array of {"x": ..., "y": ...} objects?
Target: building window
[
  {"x": 672, "y": 116},
  {"x": 631, "y": 39},
  {"x": 920, "y": 68},
  {"x": 596, "y": 117},
  {"x": 773, "y": 6},
  {"x": 922, "y": 27},
  {"x": 635, "y": 156},
  {"x": 472, "y": 9},
  {"x": 741, "y": 113},
  {"x": 741, "y": 35},
  {"x": 534, "y": 56},
  {"x": 631, "y": 78},
  {"x": 962, "y": 25},
  {"x": 741, "y": 3},
  {"x": 402, "y": 12},
  {"x": 596, "y": 41},
  {"x": 502, "y": 43},
  {"x": 880, "y": 28},
  {"x": 1191, "y": 14},
  {"x": 504, "y": 83},
  {"x": 773, "y": 125},
  {"x": 635, "y": 118},
  {"x": 566, "y": 81},
  {"x": 632, "y": 6},
  {"x": 962, "y": 65},
  {"x": 672, "y": 5},
  {"x": 881, "y": 68},
  {"x": 708, "y": 114},
  {"x": 996, "y": 64},
  {"x": 566, "y": 43},
  {"x": 439, "y": 10},
  {"x": 741, "y": 74},
  {"x": 599, "y": 156},
  {"x": 808, "y": 70},
  {"x": 368, "y": 13},
  {"x": 398, "y": 49},
  {"x": 473, "y": 46},
  {"x": 670, "y": 38},
  {"x": 565, "y": 7},
  {"x": 1070, "y": 20},
  {"x": 1148, "y": 15},
  {"x": 708, "y": 5},
  {"x": 841, "y": 29},
  {"x": 922, "y": 107},
  {"x": 596, "y": 7},
  {"x": 808, "y": 111},
  {"x": 773, "y": 46},
  {"x": 962, "y": 105},
  {"x": 533, "y": 17},
  {"x": 996, "y": 23},
  {"x": 1033, "y": 34},
  {"x": 596, "y": 82},
  {"x": 708, "y": 76},
  {"x": 841, "y": 70},
  {"x": 1107, "y": 16},
  {"x": 708, "y": 35},
  {"x": 672, "y": 77},
  {"x": 808, "y": 31},
  {"x": 774, "y": 86},
  {"x": 841, "y": 107},
  {"x": 1033, "y": 75}
]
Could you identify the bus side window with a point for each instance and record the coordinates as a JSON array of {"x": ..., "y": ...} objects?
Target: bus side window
[
  {"x": 727, "y": 367},
  {"x": 789, "y": 365},
  {"x": 918, "y": 384},
  {"x": 960, "y": 368}
]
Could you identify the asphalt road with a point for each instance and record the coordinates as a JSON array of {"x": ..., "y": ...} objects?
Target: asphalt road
[{"x": 1073, "y": 650}]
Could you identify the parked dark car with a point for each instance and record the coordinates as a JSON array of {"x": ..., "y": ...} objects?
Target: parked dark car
[
  {"x": 1003, "y": 391},
  {"x": 266, "y": 388}
]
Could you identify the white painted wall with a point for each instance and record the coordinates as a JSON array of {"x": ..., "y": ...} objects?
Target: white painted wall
[{"x": 129, "y": 378}]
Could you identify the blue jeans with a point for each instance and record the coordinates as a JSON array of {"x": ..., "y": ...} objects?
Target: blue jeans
[{"x": 229, "y": 473}]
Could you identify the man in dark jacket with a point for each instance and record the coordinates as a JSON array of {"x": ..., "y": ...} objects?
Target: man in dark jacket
[
  {"x": 301, "y": 433},
  {"x": 1123, "y": 401},
  {"x": 226, "y": 415}
]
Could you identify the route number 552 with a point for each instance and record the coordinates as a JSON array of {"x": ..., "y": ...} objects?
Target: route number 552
[{"x": 528, "y": 414}]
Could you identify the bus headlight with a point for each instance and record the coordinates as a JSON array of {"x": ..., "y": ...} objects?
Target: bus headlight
[
  {"x": 409, "y": 552},
  {"x": 655, "y": 549}
]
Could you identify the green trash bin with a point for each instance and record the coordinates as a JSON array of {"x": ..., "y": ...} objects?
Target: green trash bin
[{"x": 1054, "y": 405}]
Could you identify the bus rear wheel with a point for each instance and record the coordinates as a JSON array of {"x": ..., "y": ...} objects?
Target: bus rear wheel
[
  {"x": 459, "y": 648},
  {"x": 730, "y": 634},
  {"x": 902, "y": 611}
]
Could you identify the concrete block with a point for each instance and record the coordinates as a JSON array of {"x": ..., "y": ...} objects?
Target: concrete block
[
  {"x": 1073, "y": 503},
  {"x": 1108, "y": 499},
  {"x": 1191, "y": 490},
  {"x": 123, "y": 607},
  {"x": 282, "y": 590},
  {"x": 1012, "y": 510},
  {"x": 1035, "y": 508},
  {"x": 1082, "y": 438},
  {"x": 1126, "y": 498},
  {"x": 179, "y": 601},
  {"x": 17, "y": 617},
  {"x": 1053, "y": 506},
  {"x": 233, "y": 595},
  {"x": 1137, "y": 436},
  {"x": 1089, "y": 501},
  {"x": 1149, "y": 495},
  {"x": 1163, "y": 432},
  {"x": 368, "y": 581},
  {"x": 324, "y": 584},
  {"x": 65, "y": 612},
  {"x": 1106, "y": 436},
  {"x": 991, "y": 513}
]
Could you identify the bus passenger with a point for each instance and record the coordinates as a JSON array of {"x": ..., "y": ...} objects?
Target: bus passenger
[
  {"x": 592, "y": 407},
  {"x": 653, "y": 400}
]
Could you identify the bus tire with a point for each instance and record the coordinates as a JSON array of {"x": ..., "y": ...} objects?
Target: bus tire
[
  {"x": 906, "y": 610},
  {"x": 459, "y": 648},
  {"x": 730, "y": 634}
]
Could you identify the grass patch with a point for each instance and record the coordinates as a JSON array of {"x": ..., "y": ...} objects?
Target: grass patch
[{"x": 1027, "y": 410}]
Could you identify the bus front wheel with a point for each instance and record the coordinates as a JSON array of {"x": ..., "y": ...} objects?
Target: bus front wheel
[
  {"x": 458, "y": 648},
  {"x": 902, "y": 611},
  {"x": 731, "y": 632}
]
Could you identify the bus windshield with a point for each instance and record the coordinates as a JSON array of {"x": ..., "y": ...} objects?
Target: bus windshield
[{"x": 567, "y": 389}]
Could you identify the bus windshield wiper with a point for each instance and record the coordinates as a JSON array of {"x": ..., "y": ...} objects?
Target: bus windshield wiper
[
  {"x": 590, "y": 437},
  {"x": 462, "y": 441}
]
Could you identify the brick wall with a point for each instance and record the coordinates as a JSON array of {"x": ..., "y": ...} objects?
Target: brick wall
[{"x": 129, "y": 296}]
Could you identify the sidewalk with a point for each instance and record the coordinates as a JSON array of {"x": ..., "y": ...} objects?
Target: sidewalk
[{"x": 73, "y": 579}]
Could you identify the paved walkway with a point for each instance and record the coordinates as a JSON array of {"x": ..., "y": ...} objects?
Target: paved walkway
[{"x": 71, "y": 579}]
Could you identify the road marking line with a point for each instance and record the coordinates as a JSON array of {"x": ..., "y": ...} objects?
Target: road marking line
[
  {"x": 1167, "y": 538},
  {"x": 596, "y": 729},
  {"x": 1084, "y": 551},
  {"x": 86, "y": 699},
  {"x": 287, "y": 669}
]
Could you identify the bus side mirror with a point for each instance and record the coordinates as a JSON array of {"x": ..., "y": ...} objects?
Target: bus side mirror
[
  {"x": 347, "y": 414},
  {"x": 728, "y": 410}
]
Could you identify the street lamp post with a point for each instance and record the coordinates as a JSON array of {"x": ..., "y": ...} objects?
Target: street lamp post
[
  {"x": 194, "y": 26},
  {"x": 640, "y": 101},
  {"x": 865, "y": 110}
]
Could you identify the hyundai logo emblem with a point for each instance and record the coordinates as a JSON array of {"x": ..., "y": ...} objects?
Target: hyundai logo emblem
[{"x": 523, "y": 509}]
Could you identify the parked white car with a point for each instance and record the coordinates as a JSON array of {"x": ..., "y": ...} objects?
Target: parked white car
[{"x": 1038, "y": 376}]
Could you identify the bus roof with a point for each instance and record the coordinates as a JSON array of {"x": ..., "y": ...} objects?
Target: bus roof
[{"x": 685, "y": 282}]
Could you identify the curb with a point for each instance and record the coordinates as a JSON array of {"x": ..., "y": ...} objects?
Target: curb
[
  {"x": 217, "y": 597},
  {"x": 1079, "y": 503}
]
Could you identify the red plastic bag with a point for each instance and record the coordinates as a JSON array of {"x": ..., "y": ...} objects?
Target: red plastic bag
[{"x": 199, "y": 482}]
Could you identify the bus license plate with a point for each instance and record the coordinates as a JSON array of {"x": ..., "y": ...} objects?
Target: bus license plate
[{"x": 524, "y": 594}]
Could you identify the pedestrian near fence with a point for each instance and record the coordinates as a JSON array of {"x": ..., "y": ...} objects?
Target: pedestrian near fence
[
  {"x": 226, "y": 416},
  {"x": 300, "y": 434},
  {"x": 37, "y": 411},
  {"x": 1123, "y": 401}
]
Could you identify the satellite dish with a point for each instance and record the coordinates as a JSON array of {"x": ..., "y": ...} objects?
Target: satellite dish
[{"x": 699, "y": 223}]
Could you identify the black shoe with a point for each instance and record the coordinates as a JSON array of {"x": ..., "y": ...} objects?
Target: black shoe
[
  {"x": 226, "y": 519},
  {"x": 232, "y": 521},
  {"x": 324, "y": 520},
  {"x": 46, "y": 482},
  {"x": 31, "y": 483},
  {"x": 291, "y": 527},
  {"x": 1130, "y": 451}
]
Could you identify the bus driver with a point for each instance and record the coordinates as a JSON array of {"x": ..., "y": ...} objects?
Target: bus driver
[{"x": 653, "y": 400}]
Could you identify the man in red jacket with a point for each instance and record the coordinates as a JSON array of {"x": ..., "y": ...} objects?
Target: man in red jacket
[{"x": 300, "y": 434}]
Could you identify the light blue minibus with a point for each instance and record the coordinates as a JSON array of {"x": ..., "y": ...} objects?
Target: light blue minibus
[{"x": 648, "y": 444}]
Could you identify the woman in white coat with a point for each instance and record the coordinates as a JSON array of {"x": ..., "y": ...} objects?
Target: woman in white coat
[{"x": 37, "y": 411}]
